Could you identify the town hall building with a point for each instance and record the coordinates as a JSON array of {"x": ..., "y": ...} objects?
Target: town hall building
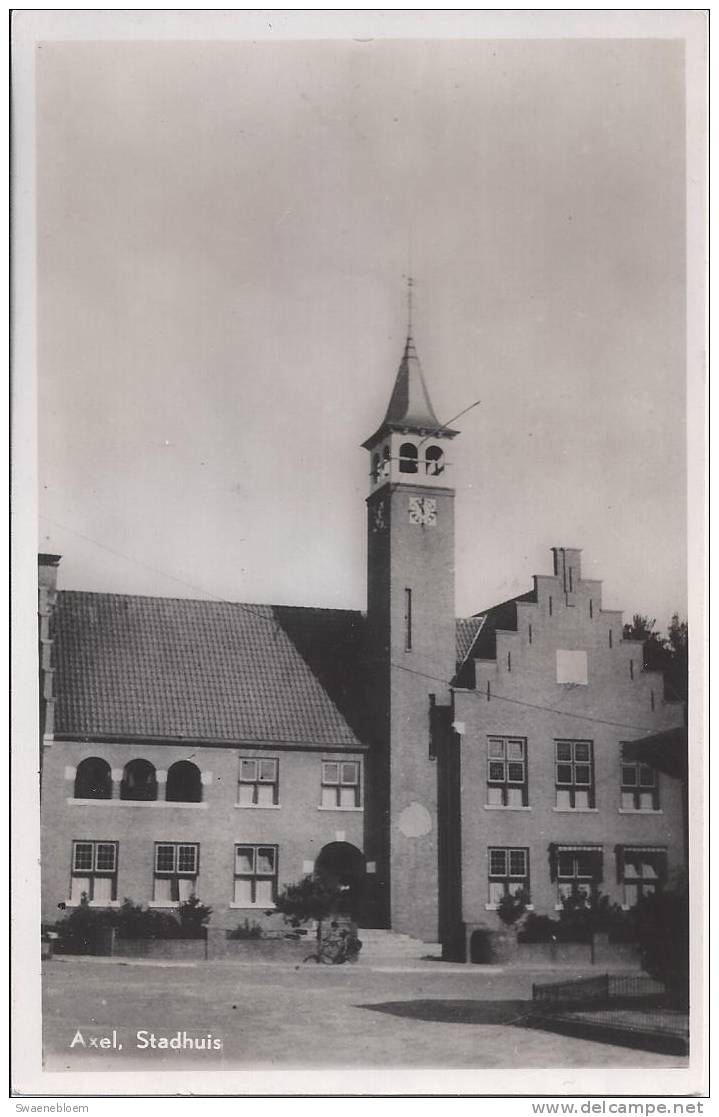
[{"x": 432, "y": 764}]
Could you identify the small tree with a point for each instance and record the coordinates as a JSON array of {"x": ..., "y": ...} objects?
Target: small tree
[
  {"x": 312, "y": 897},
  {"x": 193, "y": 918},
  {"x": 512, "y": 906}
]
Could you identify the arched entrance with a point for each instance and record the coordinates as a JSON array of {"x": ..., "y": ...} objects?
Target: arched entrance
[{"x": 342, "y": 864}]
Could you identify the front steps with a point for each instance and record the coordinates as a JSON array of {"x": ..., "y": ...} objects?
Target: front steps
[{"x": 380, "y": 945}]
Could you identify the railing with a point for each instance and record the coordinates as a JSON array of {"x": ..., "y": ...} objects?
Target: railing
[{"x": 629, "y": 1006}]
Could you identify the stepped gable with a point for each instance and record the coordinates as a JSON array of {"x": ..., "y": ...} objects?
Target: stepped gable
[{"x": 482, "y": 643}]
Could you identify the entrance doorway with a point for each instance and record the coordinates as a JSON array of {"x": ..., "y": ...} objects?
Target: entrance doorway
[{"x": 342, "y": 865}]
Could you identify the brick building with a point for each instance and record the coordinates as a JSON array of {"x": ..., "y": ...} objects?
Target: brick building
[{"x": 432, "y": 764}]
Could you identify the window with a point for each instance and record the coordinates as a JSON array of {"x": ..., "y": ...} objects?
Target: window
[
  {"x": 508, "y": 872},
  {"x": 642, "y": 871},
  {"x": 434, "y": 461},
  {"x": 640, "y": 787},
  {"x": 375, "y": 467},
  {"x": 93, "y": 779},
  {"x": 259, "y": 784},
  {"x": 340, "y": 783},
  {"x": 386, "y": 462},
  {"x": 184, "y": 783},
  {"x": 94, "y": 871},
  {"x": 139, "y": 781},
  {"x": 506, "y": 772},
  {"x": 176, "y": 869},
  {"x": 579, "y": 870},
  {"x": 408, "y": 458},
  {"x": 574, "y": 775},
  {"x": 255, "y": 876},
  {"x": 408, "y": 620}
]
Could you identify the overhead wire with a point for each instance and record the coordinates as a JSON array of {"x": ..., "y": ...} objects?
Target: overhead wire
[{"x": 396, "y": 666}]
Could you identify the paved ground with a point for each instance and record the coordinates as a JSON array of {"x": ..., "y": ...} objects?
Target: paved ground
[{"x": 281, "y": 1017}]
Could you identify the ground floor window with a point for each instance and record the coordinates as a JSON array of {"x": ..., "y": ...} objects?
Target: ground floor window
[
  {"x": 176, "y": 871},
  {"x": 94, "y": 871},
  {"x": 255, "y": 875},
  {"x": 579, "y": 871},
  {"x": 643, "y": 870},
  {"x": 508, "y": 872}
]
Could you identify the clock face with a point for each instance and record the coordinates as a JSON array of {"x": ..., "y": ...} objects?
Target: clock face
[
  {"x": 378, "y": 521},
  {"x": 423, "y": 510}
]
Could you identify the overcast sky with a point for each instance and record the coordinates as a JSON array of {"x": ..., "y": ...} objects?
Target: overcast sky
[{"x": 223, "y": 231}]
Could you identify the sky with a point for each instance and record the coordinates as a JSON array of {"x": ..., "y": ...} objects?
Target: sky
[{"x": 224, "y": 231}]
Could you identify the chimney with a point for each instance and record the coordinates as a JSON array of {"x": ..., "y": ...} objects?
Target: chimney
[
  {"x": 47, "y": 572},
  {"x": 568, "y": 566}
]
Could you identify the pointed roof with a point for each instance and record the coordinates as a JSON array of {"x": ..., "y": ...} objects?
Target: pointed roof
[{"x": 410, "y": 408}]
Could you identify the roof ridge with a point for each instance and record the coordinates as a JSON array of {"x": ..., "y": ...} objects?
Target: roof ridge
[{"x": 204, "y": 601}]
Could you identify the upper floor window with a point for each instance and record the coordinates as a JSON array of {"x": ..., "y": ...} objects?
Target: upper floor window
[
  {"x": 642, "y": 871},
  {"x": 255, "y": 875},
  {"x": 176, "y": 868},
  {"x": 508, "y": 872},
  {"x": 408, "y": 458},
  {"x": 184, "y": 783},
  {"x": 259, "y": 782},
  {"x": 340, "y": 783},
  {"x": 574, "y": 773},
  {"x": 375, "y": 467},
  {"x": 93, "y": 779},
  {"x": 94, "y": 871},
  {"x": 507, "y": 772},
  {"x": 139, "y": 781},
  {"x": 434, "y": 461},
  {"x": 640, "y": 787}
]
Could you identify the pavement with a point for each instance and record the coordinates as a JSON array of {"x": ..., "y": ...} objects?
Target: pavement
[{"x": 230, "y": 1015}]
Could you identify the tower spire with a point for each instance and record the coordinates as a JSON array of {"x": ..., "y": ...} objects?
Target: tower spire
[{"x": 410, "y": 285}]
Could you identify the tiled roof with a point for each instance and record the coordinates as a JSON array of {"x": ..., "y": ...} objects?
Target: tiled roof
[
  {"x": 481, "y": 642},
  {"x": 202, "y": 670},
  {"x": 174, "y": 668}
]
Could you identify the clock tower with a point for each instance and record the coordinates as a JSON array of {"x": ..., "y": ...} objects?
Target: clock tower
[{"x": 411, "y": 632}]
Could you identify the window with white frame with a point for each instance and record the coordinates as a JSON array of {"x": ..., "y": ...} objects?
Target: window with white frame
[
  {"x": 508, "y": 872},
  {"x": 574, "y": 771},
  {"x": 642, "y": 871},
  {"x": 94, "y": 871},
  {"x": 640, "y": 786},
  {"x": 340, "y": 783},
  {"x": 579, "y": 870},
  {"x": 259, "y": 782},
  {"x": 177, "y": 866},
  {"x": 507, "y": 772},
  {"x": 255, "y": 876}
]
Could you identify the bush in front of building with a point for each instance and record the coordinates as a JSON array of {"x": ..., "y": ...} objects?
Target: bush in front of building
[
  {"x": 84, "y": 929},
  {"x": 579, "y": 920},
  {"x": 311, "y": 898},
  {"x": 662, "y": 922},
  {"x": 513, "y": 906},
  {"x": 247, "y": 930}
]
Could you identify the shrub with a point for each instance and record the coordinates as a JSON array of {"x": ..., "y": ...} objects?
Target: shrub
[
  {"x": 539, "y": 928},
  {"x": 194, "y": 917},
  {"x": 662, "y": 922},
  {"x": 512, "y": 906},
  {"x": 81, "y": 931},
  {"x": 313, "y": 897},
  {"x": 246, "y": 930}
]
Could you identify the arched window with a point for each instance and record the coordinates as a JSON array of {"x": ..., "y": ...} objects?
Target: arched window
[
  {"x": 434, "y": 461},
  {"x": 375, "y": 467},
  {"x": 386, "y": 462},
  {"x": 93, "y": 779},
  {"x": 139, "y": 782},
  {"x": 408, "y": 458},
  {"x": 184, "y": 783}
]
